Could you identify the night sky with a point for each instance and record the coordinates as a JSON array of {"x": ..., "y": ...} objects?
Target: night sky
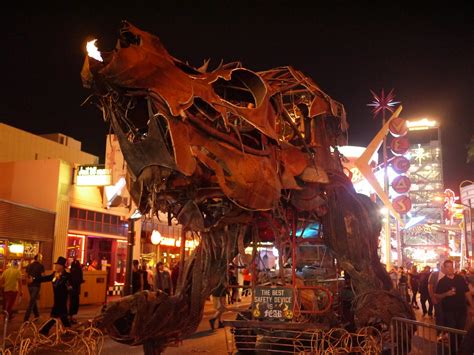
[{"x": 426, "y": 54}]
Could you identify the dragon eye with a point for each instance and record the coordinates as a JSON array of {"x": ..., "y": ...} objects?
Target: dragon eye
[{"x": 127, "y": 38}]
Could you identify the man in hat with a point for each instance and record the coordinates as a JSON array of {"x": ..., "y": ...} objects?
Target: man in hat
[{"x": 61, "y": 286}]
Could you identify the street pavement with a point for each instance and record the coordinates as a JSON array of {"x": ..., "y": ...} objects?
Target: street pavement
[{"x": 203, "y": 341}]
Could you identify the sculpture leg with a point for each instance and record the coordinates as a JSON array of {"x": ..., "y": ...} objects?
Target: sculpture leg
[
  {"x": 155, "y": 319},
  {"x": 352, "y": 228}
]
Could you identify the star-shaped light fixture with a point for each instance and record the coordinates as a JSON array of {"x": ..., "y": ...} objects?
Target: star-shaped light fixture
[
  {"x": 382, "y": 102},
  {"x": 420, "y": 154}
]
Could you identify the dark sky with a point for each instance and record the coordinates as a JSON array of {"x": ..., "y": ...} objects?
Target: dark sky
[{"x": 425, "y": 53}]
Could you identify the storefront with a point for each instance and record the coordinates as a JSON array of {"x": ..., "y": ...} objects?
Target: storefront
[
  {"x": 24, "y": 232},
  {"x": 161, "y": 242},
  {"x": 98, "y": 240}
]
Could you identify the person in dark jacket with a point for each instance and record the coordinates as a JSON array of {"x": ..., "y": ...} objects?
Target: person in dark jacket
[
  {"x": 75, "y": 281},
  {"x": 414, "y": 280},
  {"x": 136, "y": 277},
  {"x": 144, "y": 272},
  {"x": 33, "y": 270},
  {"x": 175, "y": 276},
  {"x": 163, "y": 279},
  {"x": 60, "y": 280},
  {"x": 424, "y": 292}
]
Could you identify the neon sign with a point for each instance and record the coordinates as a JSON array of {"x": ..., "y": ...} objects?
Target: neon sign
[{"x": 93, "y": 175}]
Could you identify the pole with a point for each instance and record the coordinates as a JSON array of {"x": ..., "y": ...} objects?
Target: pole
[
  {"x": 128, "y": 271},
  {"x": 466, "y": 240},
  {"x": 399, "y": 245},
  {"x": 470, "y": 229},
  {"x": 388, "y": 246},
  {"x": 182, "y": 250}
]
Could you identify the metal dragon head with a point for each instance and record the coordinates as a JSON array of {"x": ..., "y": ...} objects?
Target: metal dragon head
[{"x": 207, "y": 142}]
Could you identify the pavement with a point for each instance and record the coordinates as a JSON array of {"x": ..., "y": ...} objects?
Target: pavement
[{"x": 203, "y": 341}]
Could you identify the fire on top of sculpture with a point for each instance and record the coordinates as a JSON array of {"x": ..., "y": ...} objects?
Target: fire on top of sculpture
[{"x": 218, "y": 150}]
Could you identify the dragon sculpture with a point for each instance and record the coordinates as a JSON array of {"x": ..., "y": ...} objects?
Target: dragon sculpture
[{"x": 220, "y": 150}]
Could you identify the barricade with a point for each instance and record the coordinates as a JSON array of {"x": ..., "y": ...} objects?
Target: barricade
[
  {"x": 298, "y": 338},
  {"x": 418, "y": 338}
]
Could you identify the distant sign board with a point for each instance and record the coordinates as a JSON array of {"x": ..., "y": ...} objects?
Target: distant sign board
[
  {"x": 272, "y": 303},
  {"x": 93, "y": 175}
]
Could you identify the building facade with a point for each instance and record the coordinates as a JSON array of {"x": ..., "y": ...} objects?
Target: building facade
[
  {"x": 57, "y": 200},
  {"x": 35, "y": 181}
]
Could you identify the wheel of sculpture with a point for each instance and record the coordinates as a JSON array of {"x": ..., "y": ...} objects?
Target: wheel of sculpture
[{"x": 218, "y": 150}]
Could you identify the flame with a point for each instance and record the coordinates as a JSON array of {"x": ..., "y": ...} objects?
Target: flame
[{"x": 92, "y": 51}]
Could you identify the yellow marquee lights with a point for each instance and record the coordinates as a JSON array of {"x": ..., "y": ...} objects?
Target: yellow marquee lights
[
  {"x": 158, "y": 239},
  {"x": 422, "y": 124},
  {"x": 16, "y": 248}
]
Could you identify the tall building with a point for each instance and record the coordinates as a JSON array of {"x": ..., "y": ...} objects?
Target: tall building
[
  {"x": 426, "y": 241},
  {"x": 426, "y": 170}
]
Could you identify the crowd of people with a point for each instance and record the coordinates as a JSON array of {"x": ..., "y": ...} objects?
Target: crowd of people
[
  {"x": 445, "y": 294},
  {"x": 162, "y": 279},
  {"x": 66, "y": 289}
]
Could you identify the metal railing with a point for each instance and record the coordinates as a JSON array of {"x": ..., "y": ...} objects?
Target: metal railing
[
  {"x": 417, "y": 338},
  {"x": 298, "y": 338}
]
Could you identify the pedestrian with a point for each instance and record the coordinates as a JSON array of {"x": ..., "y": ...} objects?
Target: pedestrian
[
  {"x": 60, "y": 280},
  {"x": 75, "y": 281},
  {"x": 163, "y": 279},
  {"x": 424, "y": 292},
  {"x": 394, "y": 277},
  {"x": 467, "y": 345},
  {"x": 218, "y": 302},
  {"x": 34, "y": 270},
  {"x": 414, "y": 281},
  {"x": 455, "y": 298},
  {"x": 11, "y": 279},
  {"x": 175, "y": 276},
  {"x": 432, "y": 284},
  {"x": 470, "y": 284},
  {"x": 137, "y": 284},
  {"x": 145, "y": 276},
  {"x": 403, "y": 285}
]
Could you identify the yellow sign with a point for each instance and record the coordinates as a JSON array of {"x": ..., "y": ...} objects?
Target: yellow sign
[{"x": 93, "y": 175}]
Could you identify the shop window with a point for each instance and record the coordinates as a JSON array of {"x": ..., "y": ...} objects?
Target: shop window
[
  {"x": 98, "y": 217},
  {"x": 73, "y": 213},
  {"x": 17, "y": 250},
  {"x": 81, "y": 214},
  {"x": 83, "y": 220},
  {"x": 75, "y": 248}
]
